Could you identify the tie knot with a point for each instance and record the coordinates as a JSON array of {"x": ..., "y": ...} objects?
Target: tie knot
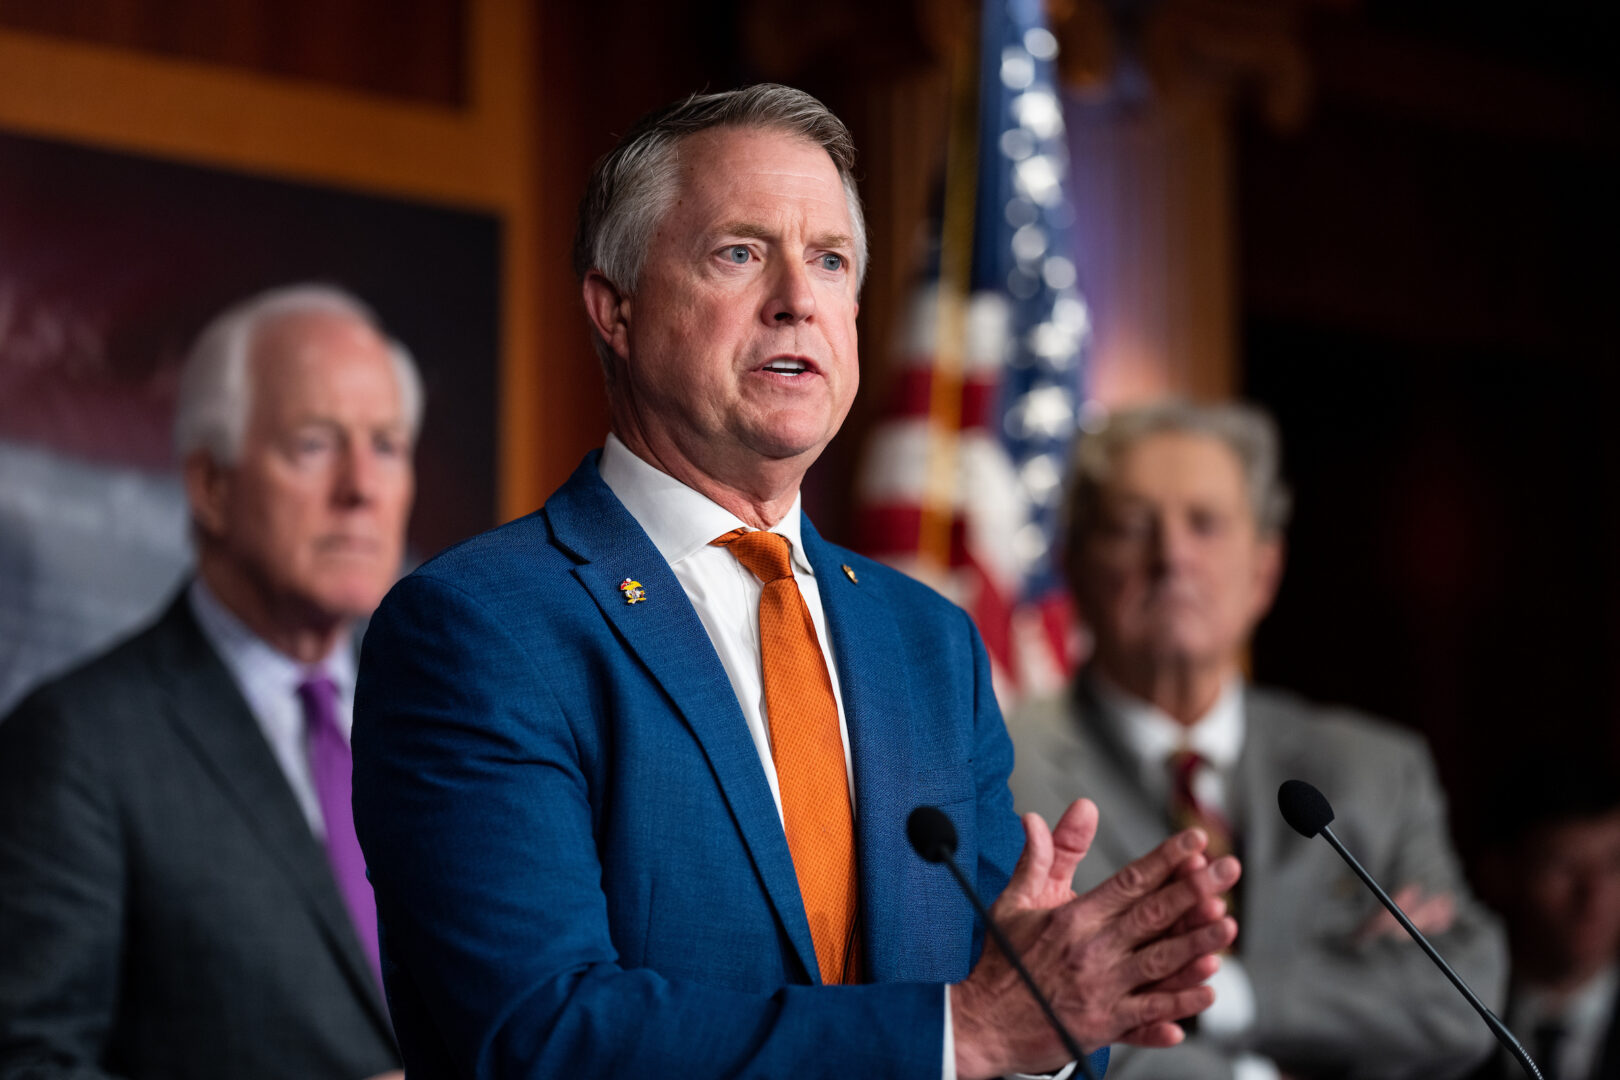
[
  {"x": 318, "y": 694},
  {"x": 1184, "y": 765},
  {"x": 767, "y": 554}
]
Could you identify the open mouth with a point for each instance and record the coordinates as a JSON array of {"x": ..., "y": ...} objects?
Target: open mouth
[{"x": 788, "y": 365}]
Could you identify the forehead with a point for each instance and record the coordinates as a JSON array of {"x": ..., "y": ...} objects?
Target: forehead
[
  {"x": 1178, "y": 464},
  {"x": 1595, "y": 835},
  {"x": 322, "y": 361},
  {"x": 736, "y": 175}
]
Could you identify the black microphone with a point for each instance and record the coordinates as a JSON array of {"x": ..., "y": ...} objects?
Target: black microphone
[
  {"x": 1307, "y": 811},
  {"x": 934, "y": 838}
]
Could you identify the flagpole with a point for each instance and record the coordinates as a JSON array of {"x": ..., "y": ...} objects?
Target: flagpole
[{"x": 955, "y": 269}]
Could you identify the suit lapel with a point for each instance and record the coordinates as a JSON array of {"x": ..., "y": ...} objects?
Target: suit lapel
[
  {"x": 665, "y": 635},
  {"x": 1274, "y": 745},
  {"x": 211, "y": 716},
  {"x": 1130, "y": 823},
  {"x": 865, "y": 641}
]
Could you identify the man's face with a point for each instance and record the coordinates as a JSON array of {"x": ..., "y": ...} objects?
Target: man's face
[
  {"x": 1571, "y": 893},
  {"x": 1174, "y": 571},
  {"x": 739, "y": 341},
  {"x": 311, "y": 517}
]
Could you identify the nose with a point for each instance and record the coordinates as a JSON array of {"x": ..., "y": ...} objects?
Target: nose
[
  {"x": 791, "y": 298},
  {"x": 1171, "y": 543},
  {"x": 356, "y": 481}
]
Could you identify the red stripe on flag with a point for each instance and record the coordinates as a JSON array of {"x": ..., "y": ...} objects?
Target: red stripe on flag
[
  {"x": 889, "y": 528},
  {"x": 911, "y": 396}
]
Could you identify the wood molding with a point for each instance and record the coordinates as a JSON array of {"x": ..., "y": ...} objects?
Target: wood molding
[{"x": 478, "y": 157}]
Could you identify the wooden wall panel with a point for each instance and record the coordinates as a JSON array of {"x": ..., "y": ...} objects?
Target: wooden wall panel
[{"x": 414, "y": 50}]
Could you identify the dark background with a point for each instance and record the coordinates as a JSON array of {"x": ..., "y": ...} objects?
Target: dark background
[{"x": 1425, "y": 288}]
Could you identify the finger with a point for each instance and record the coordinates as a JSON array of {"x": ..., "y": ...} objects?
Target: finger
[
  {"x": 1071, "y": 839},
  {"x": 1165, "y": 958},
  {"x": 1144, "y": 1013},
  {"x": 1158, "y": 1036},
  {"x": 1139, "y": 878},
  {"x": 1196, "y": 973},
  {"x": 1032, "y": 869},
  {"x": 1154, "y": 914},
  {"x": 1434, "y": 915},
  {"x": 1203, "y": 913},
  {"x": 1191, "y": 865}
]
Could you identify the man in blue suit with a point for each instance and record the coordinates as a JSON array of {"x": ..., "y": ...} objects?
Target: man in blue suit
[{"x": 581, "y": 799}]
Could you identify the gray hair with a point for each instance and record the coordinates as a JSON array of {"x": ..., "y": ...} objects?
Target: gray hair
[
  {"x": 215, "y": 396},
  {"x": 633, "y": 185},
  {"x": 1247, "y": 430}
]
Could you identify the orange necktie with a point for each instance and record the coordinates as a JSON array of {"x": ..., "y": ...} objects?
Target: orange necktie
[{"x": 808, "y": 750}]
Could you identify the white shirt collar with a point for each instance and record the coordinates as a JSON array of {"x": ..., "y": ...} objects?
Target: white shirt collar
[
  {"x": 1151, "y": 735},
  {"x": 681, "y": 520}
]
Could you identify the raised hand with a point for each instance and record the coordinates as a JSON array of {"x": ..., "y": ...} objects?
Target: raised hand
[{"x": 1120, "y": 963}]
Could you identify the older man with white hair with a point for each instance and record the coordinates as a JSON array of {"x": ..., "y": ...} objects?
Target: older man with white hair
[
  {"x": 1174, "y": 552},
  {"x": 181, "y": 892}
]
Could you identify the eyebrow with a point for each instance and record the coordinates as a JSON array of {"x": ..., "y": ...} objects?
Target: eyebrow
[{"x": 750, "y": 231}]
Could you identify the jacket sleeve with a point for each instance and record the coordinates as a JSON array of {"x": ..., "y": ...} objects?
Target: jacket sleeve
[
  {"x": 474, "y": 807},
  {"x": 61, "y": 898}
]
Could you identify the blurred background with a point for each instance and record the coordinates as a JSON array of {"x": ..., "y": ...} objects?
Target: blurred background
[{"x": 1391, "y": 222}]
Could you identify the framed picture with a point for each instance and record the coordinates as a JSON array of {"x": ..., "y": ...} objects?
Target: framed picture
[{"x": 124, "y": 228}]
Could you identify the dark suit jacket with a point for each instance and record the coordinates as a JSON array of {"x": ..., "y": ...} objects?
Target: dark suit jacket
[
  {"x": 165, "y": 910},
  {"x": 1503, "y": 1066},
  {"x": 579, "y": 867}
]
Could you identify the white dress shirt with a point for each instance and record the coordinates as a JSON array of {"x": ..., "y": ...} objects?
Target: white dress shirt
[
  {"x": 269, "y": 681},
  {"x": 1150, "y": 735},
  {"x": 1584, "y": 1014},
  {"x": 681, "y": 522}
]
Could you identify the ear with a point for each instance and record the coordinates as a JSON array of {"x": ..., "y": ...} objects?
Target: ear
[
  {"x": 208, "y": 491},
  {"x": 609, "y": 311}
]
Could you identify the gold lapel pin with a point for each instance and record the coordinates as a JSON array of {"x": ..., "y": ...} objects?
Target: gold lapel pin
[
  {"x": 633, "y": 592},
  {"x": 851, "y": 574}
]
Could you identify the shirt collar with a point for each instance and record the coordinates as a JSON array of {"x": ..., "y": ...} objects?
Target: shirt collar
[
  {"x": 249, "y": 656},
  {"x": 678, "y": 519},
  {"x": 1151, "y": 735}
]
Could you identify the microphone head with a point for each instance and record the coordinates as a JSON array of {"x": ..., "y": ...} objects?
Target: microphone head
[
  {"x": 1304, "y": 808},
  {"x": 931, "y": 833}
]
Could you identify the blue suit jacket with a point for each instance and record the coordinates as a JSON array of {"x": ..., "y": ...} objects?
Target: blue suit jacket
[{"x": 579, "y": 867}]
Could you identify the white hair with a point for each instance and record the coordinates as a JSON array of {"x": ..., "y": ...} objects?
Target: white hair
[{"x": 216, "y": 395}]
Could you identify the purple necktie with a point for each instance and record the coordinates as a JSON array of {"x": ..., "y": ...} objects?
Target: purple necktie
[{"x": 331, "y": 766}]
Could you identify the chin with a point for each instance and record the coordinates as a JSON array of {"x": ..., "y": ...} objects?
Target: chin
[{"x": 350, "y": 599}]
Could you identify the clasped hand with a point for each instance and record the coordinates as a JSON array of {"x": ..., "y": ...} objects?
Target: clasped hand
[{"x": 1121, "y": 963}]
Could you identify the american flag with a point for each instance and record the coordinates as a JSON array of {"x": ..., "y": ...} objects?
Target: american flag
[{"x": 963, "y": 478}]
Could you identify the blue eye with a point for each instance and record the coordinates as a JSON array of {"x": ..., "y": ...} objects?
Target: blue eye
[
  {"x": 831, "y": 261},
  {"x": 737, "y": 253}
]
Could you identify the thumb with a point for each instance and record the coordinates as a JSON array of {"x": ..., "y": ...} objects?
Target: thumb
[
  {"x": 1034, "y": 866},
  {"x": 1072, "y": 838}
]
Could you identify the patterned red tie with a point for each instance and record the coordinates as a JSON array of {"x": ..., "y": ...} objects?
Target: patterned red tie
[
  {"x": 809, "y": 753},
  {"x": 1188, "y": 811}
]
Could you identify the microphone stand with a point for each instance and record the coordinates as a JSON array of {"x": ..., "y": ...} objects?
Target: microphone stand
[
  {"x": 1499, "y": 1029},
  {"x": 1069, "y": 1043}
]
